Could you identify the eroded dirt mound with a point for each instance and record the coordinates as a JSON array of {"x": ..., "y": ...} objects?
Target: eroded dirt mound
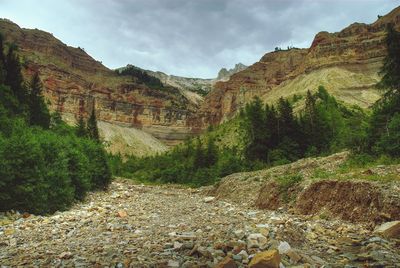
[
  {"x": 349, "y": 195},
  {"x": 349, "y": 200}
]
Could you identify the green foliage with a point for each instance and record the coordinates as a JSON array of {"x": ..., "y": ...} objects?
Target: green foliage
[
  {"x": 81, "y": 127},
  {"x": 285, "y": 183},
  {"x": 92, "y": 130},
  {"x": 383, "y": 131},
  {"x": 44, "y": 166},
  {"x": 39, "y": 114}
]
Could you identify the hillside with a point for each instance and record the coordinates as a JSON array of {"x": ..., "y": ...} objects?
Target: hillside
[
  {"x": 346, "y": 63},
  {"x": 74, "y": 81}
]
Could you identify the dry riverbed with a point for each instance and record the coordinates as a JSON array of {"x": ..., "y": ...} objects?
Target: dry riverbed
[{"x": 134, "y": 225}]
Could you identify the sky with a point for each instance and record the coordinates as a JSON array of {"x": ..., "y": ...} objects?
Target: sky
[{"x": 192, "y": 38}]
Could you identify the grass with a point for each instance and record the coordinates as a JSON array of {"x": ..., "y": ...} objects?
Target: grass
[
  {"x": 361, "y": 167},
  {"x": 285, "y": 183}
]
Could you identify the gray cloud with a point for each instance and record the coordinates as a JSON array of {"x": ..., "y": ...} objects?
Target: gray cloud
[{"x": 188, "y": 37}]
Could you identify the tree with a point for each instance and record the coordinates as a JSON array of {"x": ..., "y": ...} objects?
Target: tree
[
  {"x": 211, "y": 156},
  {"x": 39, "y": 114},
  {"x": 93, "y": 131},
  {"x": 81, "y": 128},
  {"x": 2, "y": 61},
  {"x": 255, "y": 131},
  {"x": 389, "y": 105},
  {"x": 390, "y": 70},
  {"x": 14, "y": 77}
]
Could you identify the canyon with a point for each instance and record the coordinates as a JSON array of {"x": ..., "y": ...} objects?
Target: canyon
[{"x": 346, "y": 63}]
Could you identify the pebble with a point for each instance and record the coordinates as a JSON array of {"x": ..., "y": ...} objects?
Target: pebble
[{"x": 173, "y": 226}]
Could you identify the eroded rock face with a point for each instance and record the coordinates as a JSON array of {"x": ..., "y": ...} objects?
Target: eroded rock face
[
  {"x": 74, "y": 82},
  {"x": 352, "y": 56}
]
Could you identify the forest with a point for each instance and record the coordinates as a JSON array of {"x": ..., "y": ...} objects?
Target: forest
[{"x": 45, "y": 165}]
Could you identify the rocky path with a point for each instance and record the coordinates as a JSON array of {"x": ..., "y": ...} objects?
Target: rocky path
[{"x": 159, "y": 226}]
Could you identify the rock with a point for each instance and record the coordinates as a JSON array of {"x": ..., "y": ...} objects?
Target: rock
[
  {"x": 173, "y": 263},
  {"x": 177, "y": 245},
  {"x": 256, "y": 241},
  {"x": 122, "y": 214},
  {"x": 244, "y": 255},
  {"x": 266, "y": 259},
  {"x": 226, "y": 263},
  {"x": 208, "y": 199},
  {"x": 65, "y": 255},
  {"x": 389, "y": 229},
  {"x": 284, "y": 247},
  {"x": 26, "y": 215},
  {"x": 294, "y": 256},
  {"x": 239, "y": 234}
]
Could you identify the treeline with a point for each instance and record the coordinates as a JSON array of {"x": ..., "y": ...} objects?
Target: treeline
[
  {"x": 276, "y": 135},
  {"x": 142, "y": 77},
  {"x": 44, "y": 165},
  {"x": 194, "y": 163}
]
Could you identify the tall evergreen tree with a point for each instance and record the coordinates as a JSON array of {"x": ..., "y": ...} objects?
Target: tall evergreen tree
[
  {"x": 2, "y": 60},
  {"x": 14, "y": 77},
  {"x": 256, "y": 131},
  {"x": 211, "y": 156},
  {"x": 386, "y": 108},
  {"x": 81, "y": 130},
  {"x": 93, "y": 131},
  {"x": 39, "y": 114},
  {"x": 390, "y": 70}
]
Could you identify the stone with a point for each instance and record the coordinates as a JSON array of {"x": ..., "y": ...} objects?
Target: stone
[
  {"x": 239, "y": 234},
  {"x": 226, "y": 263},
  {"x": 208, "y": 199},
  {"x": 294, "y": 256},
  {"x": 177, "y": 245},
  {"x": 266, "y": 259},
  {"x": 65, "y": 255},
  {"x": 284, "y": 247},
  {"x": 256, "y": 241},
  {"x": 173, "y": 263},
  {"x": 122, "y": 214},
  {"x": 389, "y": 229}
]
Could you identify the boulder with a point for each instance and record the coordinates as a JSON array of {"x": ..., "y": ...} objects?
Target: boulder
[
  {"x": 266, "y": 259},
  {"x": 389, "y": 229},
  {"x": 256, "y": 241}
]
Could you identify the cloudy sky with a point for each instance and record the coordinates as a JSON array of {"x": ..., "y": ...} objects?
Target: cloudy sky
[{"x": 192, "y": 38}]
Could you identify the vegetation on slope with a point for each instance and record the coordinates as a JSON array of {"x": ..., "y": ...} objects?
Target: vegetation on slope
[
  {"x": 45, "y": 165},
  {"x": 273, "y": 135}
]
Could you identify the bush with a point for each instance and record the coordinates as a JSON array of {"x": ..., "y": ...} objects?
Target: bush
[{"x": 41, "y": 173}]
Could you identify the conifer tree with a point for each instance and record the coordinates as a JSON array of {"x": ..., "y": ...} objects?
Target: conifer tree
[
  {"x": 14, "y": 77},
  {"x": 2, "y": 61},
  {"x": 93, "y": 131},
  {"x": 81, "y": 130},
  {"x": 390, "y": 70},
  {"x": 39, "y": 114}
]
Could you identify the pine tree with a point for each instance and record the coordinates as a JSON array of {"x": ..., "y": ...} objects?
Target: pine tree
[
  {"x": 14, "y": 77},
  {"x": 2, "y": 61},
  {"x": 81, "y": 130},
  {"x": 211, "y": 157},
  {"x": 39, "y": 114},
  {"x": 256, "y": 133},
  {"x": 390, "y": 70},
  {"x": 199, "y": 156},
  {"x": 93, "y": 131}
]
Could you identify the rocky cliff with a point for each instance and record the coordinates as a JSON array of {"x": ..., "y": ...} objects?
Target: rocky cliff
[
  {"x": 224, "y": 74},
  {"x": 346, "y": 63},
  {"x": 74, "y": 81}
]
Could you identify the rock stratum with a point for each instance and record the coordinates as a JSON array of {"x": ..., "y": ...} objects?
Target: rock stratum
[
  {"x": 74, "y": 82},
  {"x": 346, "y": 63}
]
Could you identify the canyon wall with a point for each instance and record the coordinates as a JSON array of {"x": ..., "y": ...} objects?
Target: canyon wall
[{"x": 346, "y": 63}]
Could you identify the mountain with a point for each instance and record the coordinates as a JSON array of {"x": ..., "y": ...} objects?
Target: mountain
[
  {"x": 225, "y": 74},
  {"x": 74, "y": 81},
  {"x": 170, "y": 108},
  {"x": 346, "y": 63}
]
